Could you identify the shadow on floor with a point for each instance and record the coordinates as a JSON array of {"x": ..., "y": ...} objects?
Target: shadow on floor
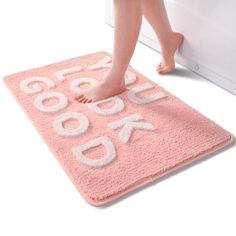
[
  {"x": 187, "y": 74},
  {"x": 167, "y": 176}
]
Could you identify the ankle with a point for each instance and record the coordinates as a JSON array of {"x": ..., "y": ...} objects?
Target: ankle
[
  {"x": 165, "y": 42},
  {"x": 115, "y": 76},
  {"x": 116, "y": 72},
  {"x": 114, "y": 80}
]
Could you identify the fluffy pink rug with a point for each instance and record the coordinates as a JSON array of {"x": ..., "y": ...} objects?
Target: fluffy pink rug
[{"x": 114, "y": 146}]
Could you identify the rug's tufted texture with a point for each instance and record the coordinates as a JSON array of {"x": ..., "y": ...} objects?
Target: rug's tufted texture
[{"x": 116, "y": 145}]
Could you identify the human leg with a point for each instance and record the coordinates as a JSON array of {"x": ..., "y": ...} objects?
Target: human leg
[
  {"x": 155, "y": 13},
  {"x": 128, "y": 18}
]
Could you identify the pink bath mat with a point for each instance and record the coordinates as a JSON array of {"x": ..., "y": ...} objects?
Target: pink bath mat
[{"x": 114, "y": 146}]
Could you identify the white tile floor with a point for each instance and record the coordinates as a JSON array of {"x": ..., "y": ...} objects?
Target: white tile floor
[{"x": 37, "y": 197}]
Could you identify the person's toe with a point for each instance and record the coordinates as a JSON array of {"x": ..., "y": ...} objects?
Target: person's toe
[
  {"x": 89, "y": 101},
  {"x": 81, "y": 99},
  {"x": 78, "y": 96},
  {"x": 84, "y": 99},
  {"x": 160, "y": 67},
  {"x": 165, "y": 70}
]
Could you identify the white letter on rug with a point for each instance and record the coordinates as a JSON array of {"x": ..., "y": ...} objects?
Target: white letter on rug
[
  {"x": 105, "y": 62},
  {"x": 83, "y": 124},
  {"x": 119, "y": 106},
  {"x": 128, "y": 125},
  {"x": 62, "y": 102},
  {"x": 74, "y": 85},
  {"x": 133, "y": 97},
  {"x": 96, "y": 163},
  {"x": 36, "y": 88},
  {"x": 62, "y": 73}
]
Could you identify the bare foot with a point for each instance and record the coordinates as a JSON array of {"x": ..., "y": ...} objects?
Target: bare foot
[
  {"x": 168, "y": 51},
  {"x": 106, "y": 88}
]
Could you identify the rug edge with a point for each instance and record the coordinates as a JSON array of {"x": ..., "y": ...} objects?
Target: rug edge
[{"x": 151, "y": 178}]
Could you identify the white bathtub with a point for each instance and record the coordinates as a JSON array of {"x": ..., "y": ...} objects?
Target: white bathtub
[{"x": 209, "y": 27}]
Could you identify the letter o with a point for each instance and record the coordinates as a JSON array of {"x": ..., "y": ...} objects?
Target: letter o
[
  {"x": 36, "y": 88},
  {"x": 58, "y": 124},
  {"x": 62, "y": 102}
]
